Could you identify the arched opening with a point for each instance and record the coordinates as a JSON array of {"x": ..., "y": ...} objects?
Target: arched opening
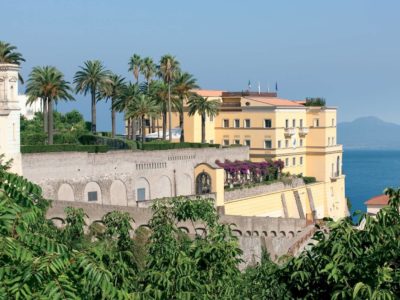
[
  {"x": 142, "y": 189},
  {"x": 291, "y": 234},
  {"x": 255, "y": 233},
  {"x": 203, "y": 183},
  {"x": 118, "y": 193},
  {"x": 58, "y": 222},
  {"x": 184, "y": 229},
  {"x": 236, "y": 232},
  {"x": 200, "y": 231},
  {"x": 265, "y": 233},
  {"x": 248, "y": 233},
  {"x": 273, "y": 233},
  {"x": 65, "y": 192},
  {"x": 92, "y": 193},
  {"x": 282, "y": 234},
  {"x": 163, "y": 187}
]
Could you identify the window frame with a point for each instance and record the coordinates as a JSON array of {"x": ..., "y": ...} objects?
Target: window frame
[
  {"x": 244, "y": 123},
  {"x": 265, "y": 144},
  {"x": 236, "y": 122}
]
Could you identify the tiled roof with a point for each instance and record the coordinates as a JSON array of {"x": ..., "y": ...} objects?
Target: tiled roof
[
  {"x": 208, "y": 93},
  {"x": 275, "y": 101},
  {"x": 378, "y": 200}
]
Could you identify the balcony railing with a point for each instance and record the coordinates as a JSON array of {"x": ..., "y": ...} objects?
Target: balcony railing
[
  {"x": 289, "y": 131},
  {"x": 303, "y": 131}
]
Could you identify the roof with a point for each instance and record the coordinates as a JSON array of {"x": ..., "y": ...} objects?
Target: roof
[
  {"x": 275, "y": 101},
  {"x": 208, "y": 93},
  {"x": 378, "y": 200}
]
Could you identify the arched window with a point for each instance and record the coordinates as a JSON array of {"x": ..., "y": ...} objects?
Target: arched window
[
  {"x": 338, "y": 166},
  {"x": 203, "y": 183}
]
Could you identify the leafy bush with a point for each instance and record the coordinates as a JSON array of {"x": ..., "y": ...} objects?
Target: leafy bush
[
  {"x": 308, "y": 179},
  {"x": 63, "y": 147},
  {"x": 112, "y": 143},
  {"x": 315, "y": 102},
  {"x": 166, "y": 146}
]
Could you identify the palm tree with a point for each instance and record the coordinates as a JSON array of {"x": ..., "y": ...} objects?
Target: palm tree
[
  {"x": 202, "y": 106},
  {"x": 183, "y": 84},
  {"x": 167, "y": 70},
  {"x": 141, "y": 106},
  {"x": 148, "y": 69},
  {"x": 89, "y": 79},
  {"x": 128, "y": 93},
  {"x": 135, "y": 64},
  {"x": 158, "y": 90},
  {"x": 8, "y": 55},
  {"x": 49, "y": 84},
  {"x": 113, "y": 90}
]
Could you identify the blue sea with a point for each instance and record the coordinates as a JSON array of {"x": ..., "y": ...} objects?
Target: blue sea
[{"x": 368, "y": 173}]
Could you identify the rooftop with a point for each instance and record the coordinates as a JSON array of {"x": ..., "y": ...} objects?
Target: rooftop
[
  {"x": 274, "y": 101},
  {"x": 208, "y": 93},
  {"x": 378, "y": 200}
]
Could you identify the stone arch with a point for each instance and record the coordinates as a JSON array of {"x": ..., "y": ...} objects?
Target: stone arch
[
  {"x": 255, "y": 233},
  {"x": 164, "y": 187},
  {"x": 273, "y": 233},
  {"x": 291, "y": 234},
  {"x": 58, "y": 222},
  {"x": 200, "y": 231},
  {"x": 92, "y": 192},
  {"x": 184, "y": 229},
  {"x": 236, "y": 232},
  {"x": 65, "y": 192},
  {"x": 265, "y": 233},
  {"x": 282, "y": 234},
  {"x": 203, "y": 183},
  {"x": 248, "y": 233},
  {"x": 185, "y": 185},
  {"x": 142, "y": 189},
  {"x": 118, "y": 193}
]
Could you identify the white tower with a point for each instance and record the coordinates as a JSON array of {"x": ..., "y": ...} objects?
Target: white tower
[{"x": 10, "y": 116}]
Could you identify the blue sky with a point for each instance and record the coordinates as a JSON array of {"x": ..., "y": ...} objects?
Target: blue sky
[{"x": 345, "y": 51}]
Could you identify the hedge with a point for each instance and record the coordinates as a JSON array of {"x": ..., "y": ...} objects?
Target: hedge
[
  {"x": 308, "y": 180},
  {"x": 112, "y": 143},
  {"x": 167, "y": 146},
  {"x": 63, "y": 147}
]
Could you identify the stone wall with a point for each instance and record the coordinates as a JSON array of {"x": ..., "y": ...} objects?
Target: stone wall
[{"x": 118, "y": 176}]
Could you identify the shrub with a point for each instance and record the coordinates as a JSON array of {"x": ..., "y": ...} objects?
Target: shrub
[
  {"x": 112, "y": 143},
  {"x": 37, "y": 138},
  {"x": 315, "y": 102},
  {"x": 308, "y": 180},
  {"x": 63, "y": 147}
]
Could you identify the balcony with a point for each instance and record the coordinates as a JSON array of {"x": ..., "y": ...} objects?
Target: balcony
[
  {"x": 303, "y": 131},
  {"x": 289, "y": 131}
]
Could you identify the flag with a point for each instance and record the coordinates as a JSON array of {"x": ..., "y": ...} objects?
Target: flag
[
  {"x": 259, "y": 88},
  {"x": 276, "y": 86},
  {"x": 249, "y": 85}
]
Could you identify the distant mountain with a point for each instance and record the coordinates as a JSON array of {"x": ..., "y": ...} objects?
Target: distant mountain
[{"x": 369, "y": 133}]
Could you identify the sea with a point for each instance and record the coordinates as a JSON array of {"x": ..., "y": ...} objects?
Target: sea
[{"x": 368, "y": 173}]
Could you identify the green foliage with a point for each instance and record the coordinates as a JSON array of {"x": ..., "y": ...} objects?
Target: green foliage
[
  {"x": 308, "y": 179},
  {"x": 111, "y": 143},
  {"x": 315, "y": 101},
  {"x": 41, "y": 261},
  {"x": 160, "y": 145},
  {"x": 61, "y": 148}
]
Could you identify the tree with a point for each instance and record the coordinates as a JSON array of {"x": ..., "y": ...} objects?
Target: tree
[
  {"x": 140, "y": 106},
  {"x": 183, "y": 85},
  {"x": 135, "y": 64},
  {"x": 9, "y": 55},
  {"x": 49, "y": 84},
  {"x": 148, "y": 69},
  {"x": 203, "y": 107},
  {"x": 167, "y": 70},
  {"x": 90, "y": 78},
  {"x": 112, "y": 89}
]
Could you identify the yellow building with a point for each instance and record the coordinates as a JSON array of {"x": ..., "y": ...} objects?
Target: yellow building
[{"x": 303, "y": 137}]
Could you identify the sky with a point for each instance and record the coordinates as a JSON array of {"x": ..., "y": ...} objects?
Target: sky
[{"x": 347, "y": 51}]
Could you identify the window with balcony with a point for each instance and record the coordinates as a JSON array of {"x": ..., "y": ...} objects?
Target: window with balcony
[
  {"x": 247, "y": 142},
  {"x": 287, "y": 162},
  {"x": 267, "y": 144},
  {"x": 301, "y": 160},
  {"x": 294, "y": 123},
  {"x": 301, "y": 142},
  {"x": 286, "y": 123},
  {"x": 279, "y": 144},
  {"x": 294, "y": 161},
  {"x": 329, "y": 141},
  {"x": 236, "y": 123},
  {"x": 226, "y": 142},
  {"x": 301, "y": 123},
  {"x": 237, "y": 142},
  {"x": 225, "y": 123},
  {"x": 267, "y": 123},
  {"x": 247, "y": 123},
  {"x": 286, "y": 143}
]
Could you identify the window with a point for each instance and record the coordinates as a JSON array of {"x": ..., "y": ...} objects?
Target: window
[
  {"x": 294, "y": 161},
  {"x": 141, "y": 194},
  {"x": 237, "y": 142},
  {"x": 294, "y": 123},
  {"x": 279, "y": 144},
  {"x": 301, "y": 142},
  {"x": 267, "y": 144},
  {"x": 333, "y": 122},
  {"x": 267, "y": 123},
  {"x": 287, "y": 162},
  {"x": 301, "y": 160},
  {"x": 286, "y": 143},
  {"x": 237, "y": 123},
  {"x": 225, "y": 123},
  {"x": 333, "y": 141},
  {"x": 329, "y": 141},
  {"x": 316, "y": 122},
  {"x": 226, "y": 142},
  {"x": 92, "y": 196},
  {"x": 211, "y": 141},
  {"x": 211, "y": 118},
  {"x": 286, "y": 123},
  {"x": 301, "y": 123},
  {"x": 247, "y": 123},
  {"x": 247, "y": 143}
]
